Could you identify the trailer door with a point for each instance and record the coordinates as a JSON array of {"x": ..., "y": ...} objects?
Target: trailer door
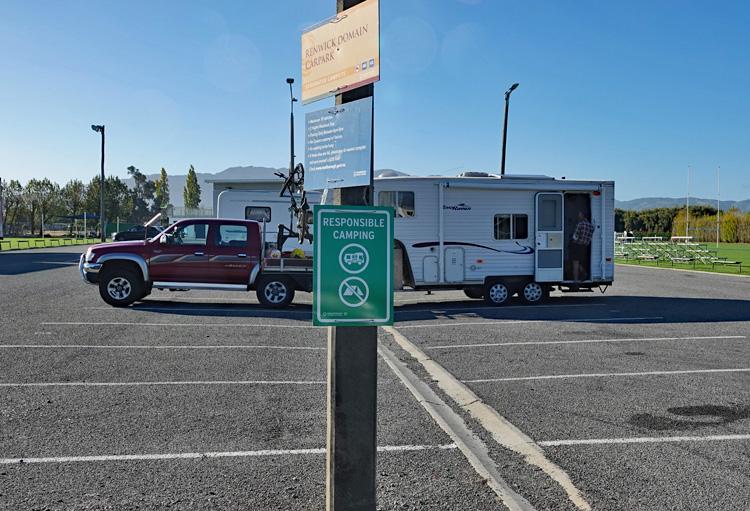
[{"x": 549, "y": 258}]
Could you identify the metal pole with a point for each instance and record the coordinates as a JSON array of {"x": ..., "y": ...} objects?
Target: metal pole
[
  {"x": 505, "y": 133},
  {"x": 292, "y": 99},
  {"x": 505, "y": 126},
  {"x": 2, "y": 211},
  {"x": 352, "y": 379},
  {"x": 101, "y": 195},
  {"x": 718, "y": 206},
  {"x": 687, "y": 208}
]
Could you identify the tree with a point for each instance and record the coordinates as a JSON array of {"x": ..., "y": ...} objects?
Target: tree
[
  {"x": 161, "y": 193},
  {"x": 43, "y": 197},
  {"x": 118, "y": 199},
  {"x": 14, "y": 204},
  {"x": 143, "y": 195},
  {"x": 73, "y": 196},
  {"x": 192, "y": 192}
]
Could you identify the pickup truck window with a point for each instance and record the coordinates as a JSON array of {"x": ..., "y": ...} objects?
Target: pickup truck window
[
  {"x": 231, "y": 235},
  {"x": 191, "y": 234}
]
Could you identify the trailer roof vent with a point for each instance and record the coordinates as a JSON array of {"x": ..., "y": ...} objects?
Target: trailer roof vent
[
  {"x": 389, "y": 173},
  {"x": 474, "y": 174},
  {"x": 526, "y": 176}
]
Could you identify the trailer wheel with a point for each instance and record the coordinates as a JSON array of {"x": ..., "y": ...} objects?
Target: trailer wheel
[
  {"x": 274, "y": 292},
  {"x": 534, "y": 292},
  {"x": 496, "y": 293}
]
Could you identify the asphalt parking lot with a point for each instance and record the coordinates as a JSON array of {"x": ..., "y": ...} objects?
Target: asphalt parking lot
[{"x": 637, "y": 399}]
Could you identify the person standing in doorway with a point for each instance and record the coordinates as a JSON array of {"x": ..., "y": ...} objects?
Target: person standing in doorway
[{"x": 580, "y": 246}]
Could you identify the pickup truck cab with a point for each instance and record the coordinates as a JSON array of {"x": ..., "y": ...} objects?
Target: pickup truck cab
[{"x": 220, "y": 254}]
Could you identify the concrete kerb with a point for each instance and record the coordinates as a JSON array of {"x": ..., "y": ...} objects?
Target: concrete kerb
[
  {"x": 503, "y": 432},
  {"x": 715, "y": 273}
]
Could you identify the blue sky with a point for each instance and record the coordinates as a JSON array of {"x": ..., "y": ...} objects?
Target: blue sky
[{"x": 630, "y": 91}]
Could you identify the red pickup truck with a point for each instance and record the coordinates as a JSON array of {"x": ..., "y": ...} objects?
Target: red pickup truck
[{"x": 210, "y": 253}]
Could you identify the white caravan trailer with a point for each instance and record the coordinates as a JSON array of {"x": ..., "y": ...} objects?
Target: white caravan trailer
[
  {"x": 263, "y": 206},
  {"x": 495, "y": 236},
  {"x": 488, "y": 235}
]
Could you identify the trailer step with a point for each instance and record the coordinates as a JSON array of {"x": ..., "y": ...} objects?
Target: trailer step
[{"x": 579, "y": 290}]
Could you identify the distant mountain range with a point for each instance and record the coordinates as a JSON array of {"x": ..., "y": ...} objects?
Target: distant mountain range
[
  {"x": 670, "y": 202},
  {"x": 177, "y": 184}
]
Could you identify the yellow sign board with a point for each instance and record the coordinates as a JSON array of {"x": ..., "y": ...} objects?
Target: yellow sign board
[{"x": 341, "y": 53}]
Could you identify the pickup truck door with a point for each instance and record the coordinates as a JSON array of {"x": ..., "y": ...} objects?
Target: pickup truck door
[
  {"x": 184, "y": 258},
  {"x": 232, "y": 255}
]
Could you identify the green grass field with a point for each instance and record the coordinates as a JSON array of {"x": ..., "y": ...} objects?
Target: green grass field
[
  {"x": 732, "y": 251},
  {"x": 23, "y": 243}
]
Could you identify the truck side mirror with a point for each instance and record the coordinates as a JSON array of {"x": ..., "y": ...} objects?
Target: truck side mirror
[{"x": 164, "y": 239}]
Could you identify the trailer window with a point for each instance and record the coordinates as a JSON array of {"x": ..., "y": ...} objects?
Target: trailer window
[
  {"x": 258, "y": 213},
  {"x": 520, "y": 227},
  {"x": 401, "y": 202},
  {"x": 502, "y": 227},
  {"x": 511, "y": 227}
]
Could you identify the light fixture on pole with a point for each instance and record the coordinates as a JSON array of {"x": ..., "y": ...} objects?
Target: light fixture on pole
[
  {"x": 99, "y": 128},
  {"x": 505, "y": 126}
]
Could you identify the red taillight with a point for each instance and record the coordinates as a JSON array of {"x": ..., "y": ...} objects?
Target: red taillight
[{"x": 597, "y": 194}]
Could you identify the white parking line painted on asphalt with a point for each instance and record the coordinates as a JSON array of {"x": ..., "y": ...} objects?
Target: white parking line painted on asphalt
[
  {"x": 520, "y": 321},
  {"x": 445, "y": 310},
  {"x": 154, "y": 383},
  {"x": 202, "y": 455},
  {"x": 155, "y": 347},
  {"x": 429, "y": 307},
  {"x": 197, "y": 309},
  {"x": 643, "y": 440},
  {"x": 608, "y": 375},
  {"x": 582, "y": 341},
  {"x": 190, "y": 325}
]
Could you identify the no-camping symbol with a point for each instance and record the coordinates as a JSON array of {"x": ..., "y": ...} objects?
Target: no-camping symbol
[{"x": 353, "y": 291}]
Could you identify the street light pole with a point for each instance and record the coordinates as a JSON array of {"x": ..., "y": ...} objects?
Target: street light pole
[
  {"x": 718, "y": 207},
  {"x": 292, "y": 100},
  {"x": 505, "y": 125},
  {"x": 99, "y": 128}
]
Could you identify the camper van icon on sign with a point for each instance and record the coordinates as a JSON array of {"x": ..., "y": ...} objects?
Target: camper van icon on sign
[{"x": 354, "y": 258}]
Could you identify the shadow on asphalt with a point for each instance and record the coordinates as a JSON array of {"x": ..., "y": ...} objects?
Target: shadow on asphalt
[
  {"x": 598, "y": 309},
  {"x": 30, "y": 262}
]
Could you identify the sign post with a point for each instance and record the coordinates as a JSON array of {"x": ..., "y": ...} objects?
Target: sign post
[{"x": 341, "y": 57}]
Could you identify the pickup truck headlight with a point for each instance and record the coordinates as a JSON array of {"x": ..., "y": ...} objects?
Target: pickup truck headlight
[{"x": 90, "y": 256}]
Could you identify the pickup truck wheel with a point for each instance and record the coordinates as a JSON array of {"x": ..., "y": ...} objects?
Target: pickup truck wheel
[
  {"x": 121, "y": 287},
  {"x": 275, "y": 292}
]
